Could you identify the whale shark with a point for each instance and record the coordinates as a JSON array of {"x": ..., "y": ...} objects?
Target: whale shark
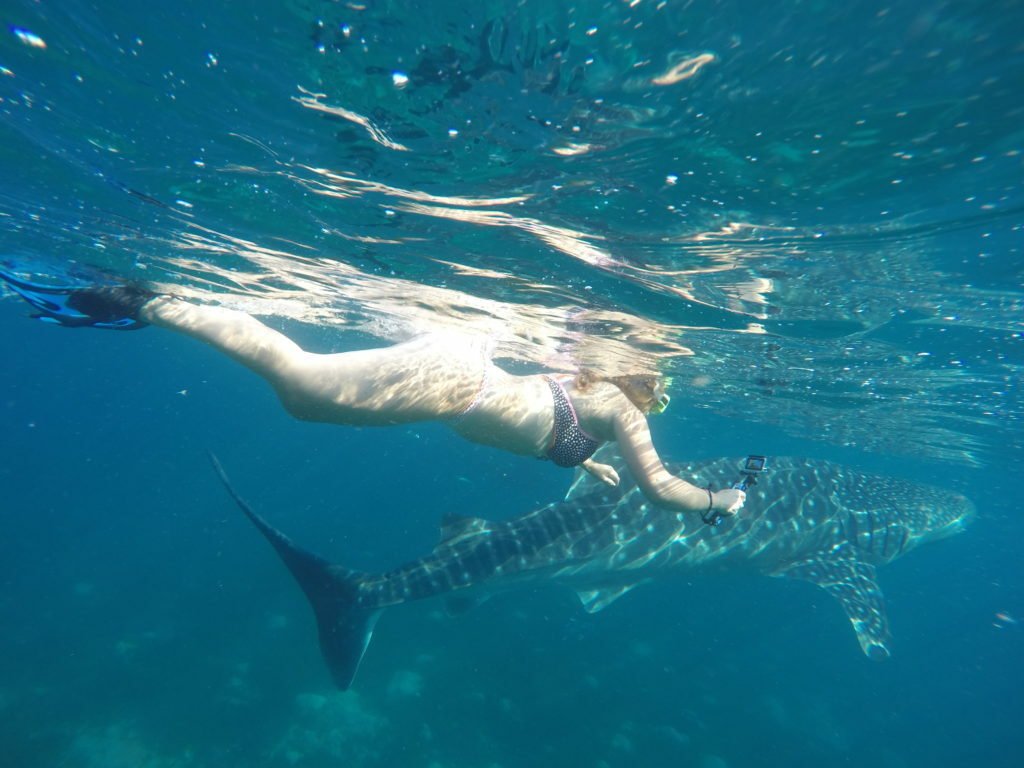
[{"x": 806, "y": 519}]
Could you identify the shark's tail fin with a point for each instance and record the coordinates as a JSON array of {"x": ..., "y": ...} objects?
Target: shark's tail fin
[{"x": 345, "y": 626}]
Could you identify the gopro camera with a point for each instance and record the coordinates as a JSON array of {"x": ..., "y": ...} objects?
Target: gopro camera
[
  {"x": 752, "y": 467},
  {"x": 755, "y": 465}
]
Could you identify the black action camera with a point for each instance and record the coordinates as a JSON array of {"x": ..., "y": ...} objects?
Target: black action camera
[
  {"x": 755, "y": 465},
  {"x": 752, "y": 467}
]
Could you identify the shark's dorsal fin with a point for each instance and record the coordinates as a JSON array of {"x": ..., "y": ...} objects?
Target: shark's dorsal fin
[
  {"x": 852, "y": 582},
  {"x": 584, "y": 483},
  {"x": 454, "y": 527},
  {"x": 595, "y": 600}
]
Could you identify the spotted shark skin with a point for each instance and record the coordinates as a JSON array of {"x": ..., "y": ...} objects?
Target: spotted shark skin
[{"x": 811, "y": 520}]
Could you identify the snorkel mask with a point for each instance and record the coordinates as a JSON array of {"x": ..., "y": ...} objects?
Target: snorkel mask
[
  {"x": 663, "y": 400},
  {"x": 661, "y": 404}
]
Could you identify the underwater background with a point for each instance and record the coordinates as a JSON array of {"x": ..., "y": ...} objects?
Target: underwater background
[{"x": 808, "y": 214}]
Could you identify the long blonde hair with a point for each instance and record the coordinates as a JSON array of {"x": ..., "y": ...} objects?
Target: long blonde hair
[{"x": 642, "y": 389}]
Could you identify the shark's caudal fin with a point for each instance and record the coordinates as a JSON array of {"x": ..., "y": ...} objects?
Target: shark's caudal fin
[{"x": 345, "y": 626}]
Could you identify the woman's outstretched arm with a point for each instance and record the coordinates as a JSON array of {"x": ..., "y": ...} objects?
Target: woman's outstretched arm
[{"x": 657, "y": 483}]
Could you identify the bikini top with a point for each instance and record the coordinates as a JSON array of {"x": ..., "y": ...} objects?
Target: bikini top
[{"x": 571, "y": 445}]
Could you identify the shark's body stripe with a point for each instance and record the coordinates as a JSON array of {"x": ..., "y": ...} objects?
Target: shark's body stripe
[{"x": 852, "y": 529}]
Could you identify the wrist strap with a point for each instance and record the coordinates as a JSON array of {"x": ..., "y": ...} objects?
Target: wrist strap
[{"x": 709, "y": 517}]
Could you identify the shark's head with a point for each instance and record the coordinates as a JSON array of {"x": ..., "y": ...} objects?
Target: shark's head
[
  {"x": 938, "y": 513},
  {"x": 884, "y": 517}
]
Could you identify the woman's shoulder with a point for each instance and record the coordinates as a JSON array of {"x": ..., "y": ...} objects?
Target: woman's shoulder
[
  {"x": 586, "y": 386},
  {"x": 601, "y": 398}
]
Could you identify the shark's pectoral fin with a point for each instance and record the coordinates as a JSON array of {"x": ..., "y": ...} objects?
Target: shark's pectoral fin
[
  {"x": 595, "y": 600},
  {"x": 852, "y": 582}
]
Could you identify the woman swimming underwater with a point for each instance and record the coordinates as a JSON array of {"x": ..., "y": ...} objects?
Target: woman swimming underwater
[{"x": 449, "y": 378}]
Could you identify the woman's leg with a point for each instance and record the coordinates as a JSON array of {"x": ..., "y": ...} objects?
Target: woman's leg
[
  {"x": 242, "y": 337},
  {"x": 427, "y": 378}
]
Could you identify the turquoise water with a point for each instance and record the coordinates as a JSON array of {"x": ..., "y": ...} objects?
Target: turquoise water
[{"x": 808, "y": 215}]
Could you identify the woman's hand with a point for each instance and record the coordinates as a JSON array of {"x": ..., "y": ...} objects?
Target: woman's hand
[
  {"x": 603, "y": 472},
  {"x": 728, "y": 501}
]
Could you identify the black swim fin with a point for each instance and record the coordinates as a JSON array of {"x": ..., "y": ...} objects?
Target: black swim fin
[
  {"x": 345, "y": 626},
  {"x": 113, "y": 306}
]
